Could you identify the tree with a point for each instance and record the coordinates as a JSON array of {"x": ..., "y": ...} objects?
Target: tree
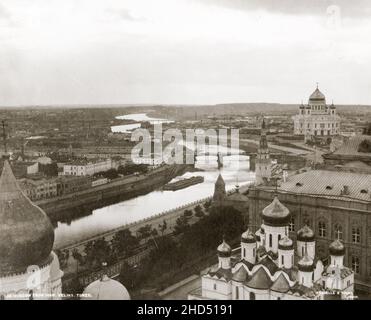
[
  {"x": 63, "y": 256},
  {"x": 162, "y": 227},
  {"x": 199, "y": 212},
  {"x": 145, "y": 232},
  {"x": 181, "y": 225},
  {"x": 365, "y": 146},
  {"x": 188, "y": 213},
  {"x": 97, "y": 252},
  {"x": 124, "y": 242}
]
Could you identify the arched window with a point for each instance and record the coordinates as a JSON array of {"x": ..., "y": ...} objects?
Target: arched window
[
  {"x": 252, "y": 296},
  {"x": 355, "y": 264},
  {"x": 237, "y": 292},
  {"x": 270, "y": 240},
  {"x": 322, "y": 229},
  {"x": 338, "y": 232},
  {"x": 356, "y": 235},
  {"x": 214, "y": 286},
  {"x": 283, "y": 260},
  {"x": 292, "y": 224}
]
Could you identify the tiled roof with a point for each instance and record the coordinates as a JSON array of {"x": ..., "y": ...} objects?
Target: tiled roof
[
  {"x": 330, "y": 183},
  {"x": 269, "y": 264}
]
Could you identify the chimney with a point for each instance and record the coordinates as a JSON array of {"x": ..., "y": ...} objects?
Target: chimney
[{"x": 345, "y": 191}]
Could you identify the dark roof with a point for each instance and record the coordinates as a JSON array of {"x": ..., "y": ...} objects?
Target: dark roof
[
  {"x": 26, "y": 234},
  {"x": 269, "y": 264},
  {"x": 221, "y": 273},
  {"x": 259, "y": 280},
  {"x": 281, "y": 284},
  {"x": 240, "y": 275},
  {"x": 276, "y": 213}
]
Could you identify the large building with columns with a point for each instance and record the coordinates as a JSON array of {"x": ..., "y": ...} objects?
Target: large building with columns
[
  {"x": 317, "y": 118},
  {"x": 271, "y": 266}
]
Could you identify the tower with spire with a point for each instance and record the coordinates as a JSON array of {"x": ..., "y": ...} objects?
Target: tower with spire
[
  {"x": 263, "y": 165},
  {"x": 220, "y": 193}
]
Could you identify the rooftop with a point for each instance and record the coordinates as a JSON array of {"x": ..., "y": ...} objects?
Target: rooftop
[{"x": 330, "y": 183}]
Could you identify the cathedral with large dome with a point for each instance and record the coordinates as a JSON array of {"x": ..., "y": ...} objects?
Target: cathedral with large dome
[
  {"x": 29, "y": 269},
  {"x": 317, "y": 118},
  {"x": 270, "y": 266}
]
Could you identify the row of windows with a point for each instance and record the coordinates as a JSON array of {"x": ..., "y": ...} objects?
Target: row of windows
[{"x": 338, "y": 231}]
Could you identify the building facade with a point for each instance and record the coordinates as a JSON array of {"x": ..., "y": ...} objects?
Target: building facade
[
  {"x": 335, "y": 204},
  {"x": 263, "y": 162},
  {"x": 317, "y": 118},
  {"x": 271, "y": 267},
  {"x": 87, "y": 168}
]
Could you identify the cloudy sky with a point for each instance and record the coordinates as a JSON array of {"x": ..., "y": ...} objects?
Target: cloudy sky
[{"x": 183, "y": 51}]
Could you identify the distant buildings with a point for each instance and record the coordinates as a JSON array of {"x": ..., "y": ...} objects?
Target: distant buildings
[
  {"x": 317, "y": 118},
  {"x": 271, "y": 267},
  {"x": 87, "y": 168}
]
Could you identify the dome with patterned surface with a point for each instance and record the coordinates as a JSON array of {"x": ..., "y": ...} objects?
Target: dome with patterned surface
[
  {"x": 224, "y": 250},
  {"x": 305, "y": 234},
  {"x": 276, "y": 214},
  {"x": 337, "y": 248},
  {"x": 317, "y": 97},
  {"x": 26, "y": 234}
]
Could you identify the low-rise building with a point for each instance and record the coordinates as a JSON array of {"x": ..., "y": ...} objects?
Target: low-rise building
[
  {"x": 37, "y": 189},
  {"x": 87, "y": 168}
]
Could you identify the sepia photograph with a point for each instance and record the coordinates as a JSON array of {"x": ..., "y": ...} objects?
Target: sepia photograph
[{"x": 187, "y": 153}]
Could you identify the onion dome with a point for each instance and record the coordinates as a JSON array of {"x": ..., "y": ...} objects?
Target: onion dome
[
  {"x": 276, "y": 214},
  {"x": 26, "y": 234},
  {"x": 317, "y": 96},
  {"x": 306, "y": 264},
  {"x": 248, "y": 237},
  {"x": 106, "y": 289},
  {"x": 305, "y": 234},
  {"x": 285, "y": 244},
  {"x": 55, "y": 271},
  {"x": 224, "y": 250},
  {"x": 337, "y": 248}
]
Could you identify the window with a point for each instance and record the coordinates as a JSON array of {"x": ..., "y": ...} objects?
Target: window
[
  {"x": 338, "y": 232},
  {"x": 252, "y": 296},
  {"x": 214, "y": 286},
  {"x": 237, "y": 296},
  {"x": 322, "y": 229},
  {"x": 355, "y": 264},
  {"x": 356, "y": 235},
  {"x": 292, "y": 225},
  {"x": 283, "y": 260},
  {"x": 244, "y": 252},
  {"x": 270, "y": 240}
]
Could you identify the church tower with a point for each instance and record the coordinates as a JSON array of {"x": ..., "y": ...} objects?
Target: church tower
[
  {"x": 263, "y": 164},
  {"x": 28, "y": 267},
  {"x": 219, "y": 192}
]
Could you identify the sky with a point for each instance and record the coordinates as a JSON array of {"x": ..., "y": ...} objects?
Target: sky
[{"x": 55, "y": 52}]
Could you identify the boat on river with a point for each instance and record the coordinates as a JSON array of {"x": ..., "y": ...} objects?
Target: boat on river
[{"x": 184, "y": 183}]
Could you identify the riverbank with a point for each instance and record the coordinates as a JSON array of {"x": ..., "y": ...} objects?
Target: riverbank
[{"x": 68, "y": 207}]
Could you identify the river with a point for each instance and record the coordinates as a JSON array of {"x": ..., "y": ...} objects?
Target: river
[{"x": 235, "y": 170}]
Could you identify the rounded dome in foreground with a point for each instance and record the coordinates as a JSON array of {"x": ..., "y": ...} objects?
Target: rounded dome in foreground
[
  {"x": 337, "y": 248},
  {"x": 26, "y": 234},
  {"x": 106, "y": 289},
  {"x": 276, "y": 214},
  {"x": 224, "y": 249},
  {"x": 305, "y": 234}
]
